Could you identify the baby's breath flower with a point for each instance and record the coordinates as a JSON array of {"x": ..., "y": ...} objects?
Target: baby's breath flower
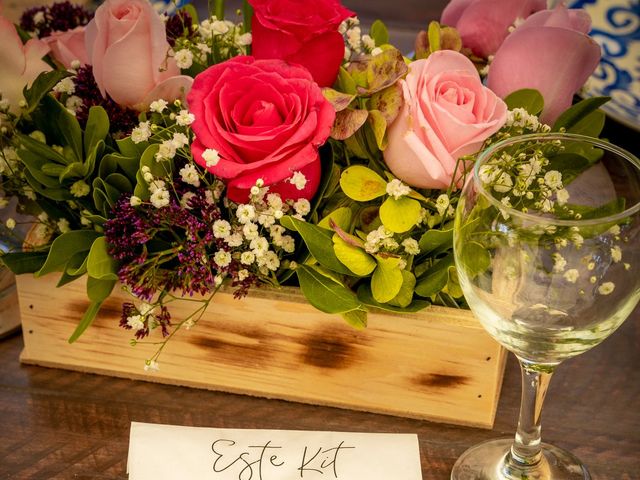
[
  {"x": 247, "y": 258},
  {"x": 135, "y": 201},
  {"x": 397, "y": 189},
  {"x": 562, "y": 196},
  {"x": 184, "y": 58},
  {"x": 135, "y": 322},
  {"x": 166, "y": 151},
  {"x": 222, "y": 258},
  {"x": 299, "y": 180},
  {"x": 606, "y": 288},
  {"x": 411, "y": 246},
  {"x": 302, "y": 206},
  {"x": 221, "y": 229},
  {"x": 80, "y": 189},
  {"x": 616, "y": 254},
  {"x": 211, "y": 157},
  {"x": 10, "y": 223},
  {"x": 244, "y": 39},
  {"x": 368, "y": 42},
  {"x": 65, "y": 85},
  {"x": 504, "y": 183},
  {"x": 250, "y": 231},
  {"x": 160, "y": 198},
  {"x": 141, "y": 133},
  {"x": 259, "y": 246},
  {"x": 615, "y": 230},
  {"x": 63, "y": 225},
  {"x": 245, "y": 213},
  {"x": 553, "y": 179},
  {"x": 234, "y": 240},
  {"x": 571, "y": 275},
  {"x": 179, "y": 140},
  {"x": 288, "y": 243},
  {"x": 184, "y": 118},
  {"x": 151, "y": 366},
  {"x": 158, "y": 105},
  {"x": 274, "y": 201},
  {"x": 559, "y": 262}
]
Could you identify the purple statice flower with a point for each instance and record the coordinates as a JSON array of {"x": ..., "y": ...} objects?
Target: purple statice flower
[
  {"x": 59, "y": 17},
  {"x": 122, "y": 120},
  {"x": 179, "y": 25}
]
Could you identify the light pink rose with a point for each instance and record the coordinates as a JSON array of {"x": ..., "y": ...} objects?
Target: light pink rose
[
  {"x": 127, "y": 46},
  {"x": 20, "y": 64},
  {"x": 550, "y": 52},
  {"x": 484, "y": 24},
  {"x": 68, "y": 46},
  {"x": 447, "y": 114}
]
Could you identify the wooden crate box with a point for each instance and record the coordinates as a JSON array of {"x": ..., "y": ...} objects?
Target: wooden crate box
[{"x": 438, "y": 364}]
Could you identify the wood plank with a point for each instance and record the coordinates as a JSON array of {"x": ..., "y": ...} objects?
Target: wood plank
[{"x": 438, "y": 364}]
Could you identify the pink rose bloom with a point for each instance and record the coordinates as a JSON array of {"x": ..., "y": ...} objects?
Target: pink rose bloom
[
  {"x": 260, "y": 119},
  {"x": 447, "y": 114},
  {"x": 550, "y": 52},
  {"x": 127, "y": 46},
  {"x": 21, "y": 64},
  {"x": 68, "y": 46},
  {"x": 484, "y": 24}
]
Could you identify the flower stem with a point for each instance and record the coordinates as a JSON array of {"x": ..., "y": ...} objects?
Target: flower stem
[{"x": 216, "y": 7}]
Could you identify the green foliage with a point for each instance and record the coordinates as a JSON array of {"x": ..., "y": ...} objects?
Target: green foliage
[
  {"x": 400, "y": 215},
  {"x": 362, "y": 184},
  {"x": 379, "y": 33},
  {"x": 573, "y": 116},
  {"x": 325, "y": 293},
  {"x": 529, "y": 99}
]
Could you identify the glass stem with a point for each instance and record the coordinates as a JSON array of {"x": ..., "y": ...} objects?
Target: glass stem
[{"x": 526, "y": 449}]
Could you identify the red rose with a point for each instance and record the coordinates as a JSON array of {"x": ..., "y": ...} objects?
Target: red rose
[
  {"x": 301, "y": 32},
  {"x": 264, "y": 119}
]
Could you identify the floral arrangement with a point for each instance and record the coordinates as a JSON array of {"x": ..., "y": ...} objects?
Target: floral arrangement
[{"x": 172, "y": 155}]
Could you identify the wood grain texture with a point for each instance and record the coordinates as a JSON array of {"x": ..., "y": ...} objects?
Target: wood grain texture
[{"x": 438, "y": 364}]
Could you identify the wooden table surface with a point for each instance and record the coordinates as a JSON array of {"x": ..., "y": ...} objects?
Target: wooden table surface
[{"x": 56, "y": 424}]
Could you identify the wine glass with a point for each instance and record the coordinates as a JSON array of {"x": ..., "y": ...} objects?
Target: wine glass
[{"x": 547, "y": 248}]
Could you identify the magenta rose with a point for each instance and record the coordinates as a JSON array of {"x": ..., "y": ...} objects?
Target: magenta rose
[
  {"x": 127, "y": 46},
  {"x": 260, "y": 119},
  {"x": 484, "y": 24},
  {"x": 447, "y": 114},
  {"x": 301, "y": 32},
  {"x": 550, "y": 52},
  {"x": 68, "y": 46}
]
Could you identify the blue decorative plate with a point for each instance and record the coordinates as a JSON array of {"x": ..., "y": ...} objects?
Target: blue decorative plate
[{"x": 616, "y": 27}]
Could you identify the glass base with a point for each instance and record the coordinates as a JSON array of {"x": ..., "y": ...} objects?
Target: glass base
[{"x": 487, "y": 461}]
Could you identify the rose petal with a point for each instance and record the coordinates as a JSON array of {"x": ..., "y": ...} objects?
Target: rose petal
[{"x": 538, "y": 58}]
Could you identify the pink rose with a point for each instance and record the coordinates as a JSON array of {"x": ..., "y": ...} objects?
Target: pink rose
[
  {"x": 68, "y": 46},
  {"x": 21, "y": 64},
  {"x": 127, "y": 46},
  {"x": 447, "y": 114},
  {"x": 265, "y": 119},
  {"x": 301, "y": 32},
  {"x": 484, "y": 24},
  {"x": 550, "y": 52}
]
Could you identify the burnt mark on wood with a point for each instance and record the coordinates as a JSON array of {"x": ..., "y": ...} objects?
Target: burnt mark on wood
[
  {"x": 244, "y": 347},
  {"x": 110, "y": 311},
  {"x": 439, "y": 380},
  {"x": 328, "y": 349}
]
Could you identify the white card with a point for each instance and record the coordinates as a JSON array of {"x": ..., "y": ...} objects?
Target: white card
[{"x": 167, "y": 452}]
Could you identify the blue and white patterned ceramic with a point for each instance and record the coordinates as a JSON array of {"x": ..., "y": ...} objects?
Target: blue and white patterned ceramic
[
  {"x": 168, "y": 6},
  {"x": 616, "y": 27}
]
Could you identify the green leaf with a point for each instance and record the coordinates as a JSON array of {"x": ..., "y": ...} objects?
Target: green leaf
[
  {"x": 77, "y": 264},
  {"x": 474, "y": 258},
  {"x": 65, "y": 247},
  {"x": 405, "y": 295},
  {"x": 378, "y": 125},
  {"x": 24, "y": 262},
  {"x": 528, "y": 98},
  {"x": 340, "y": 216},
  {"x": 573, "y": 115},
  {"x": 64, "y": 126},
  {"x": 86, "y": 320},
  {"x": 345, "y": 82},
  {"x": 366, "y": 297},
  {"x": 435, "y": 239},
  {"x": 362, "y": 184},
  {"x": 52, "y": 193},
  {"x": 435, "y": 278},
  {"x": 41, "y": 86},
  {"x": 319, "y": 242},
  {"x": 356, "y": 318},
  {"x": 388, "y": 101},
  {"x": 591, "y": 125},
  {"x": 339, "y": 100},
  {"x": 348, "y": 122},
  {"x": 433, "y": 34},
  {"x": 130, "y": 149},
  {"x": 379, "y": 32},
  {"x": 99, "y": 290},
  {"x": 355, "y": 259},
  {"x": 324, "y": 293},
  {"x": 101, "y": 265},
  {"x": 97, "y": 128},
  {"x": 400, "y": 215},
  {"x": 387, "y": 279}
]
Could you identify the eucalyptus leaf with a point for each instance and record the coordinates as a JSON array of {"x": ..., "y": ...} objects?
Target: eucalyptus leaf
[
  {"x": 345, "y": 82},
  {"x": 101, "y": 265},
  {"x": 97, "y": 128},
  {"x": 400, "y": 215},
  {"x": 436, "y": 239},
  {"x": 379, "y": 33},
  {"x": 324, "y": 293},
  {"x": 366, "y": 297},
  {"x": 528, "y": 98},
  {"x": 435, "y": 278},
  {"x": 362, "y": 184},
  {"x": 355, "y": 259},
  {"x": 356, "y": 318},
  {"x": 319, "y": 242},
  {"x": 65, "y": 247},
  {"x": 387, "y": 279}
]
